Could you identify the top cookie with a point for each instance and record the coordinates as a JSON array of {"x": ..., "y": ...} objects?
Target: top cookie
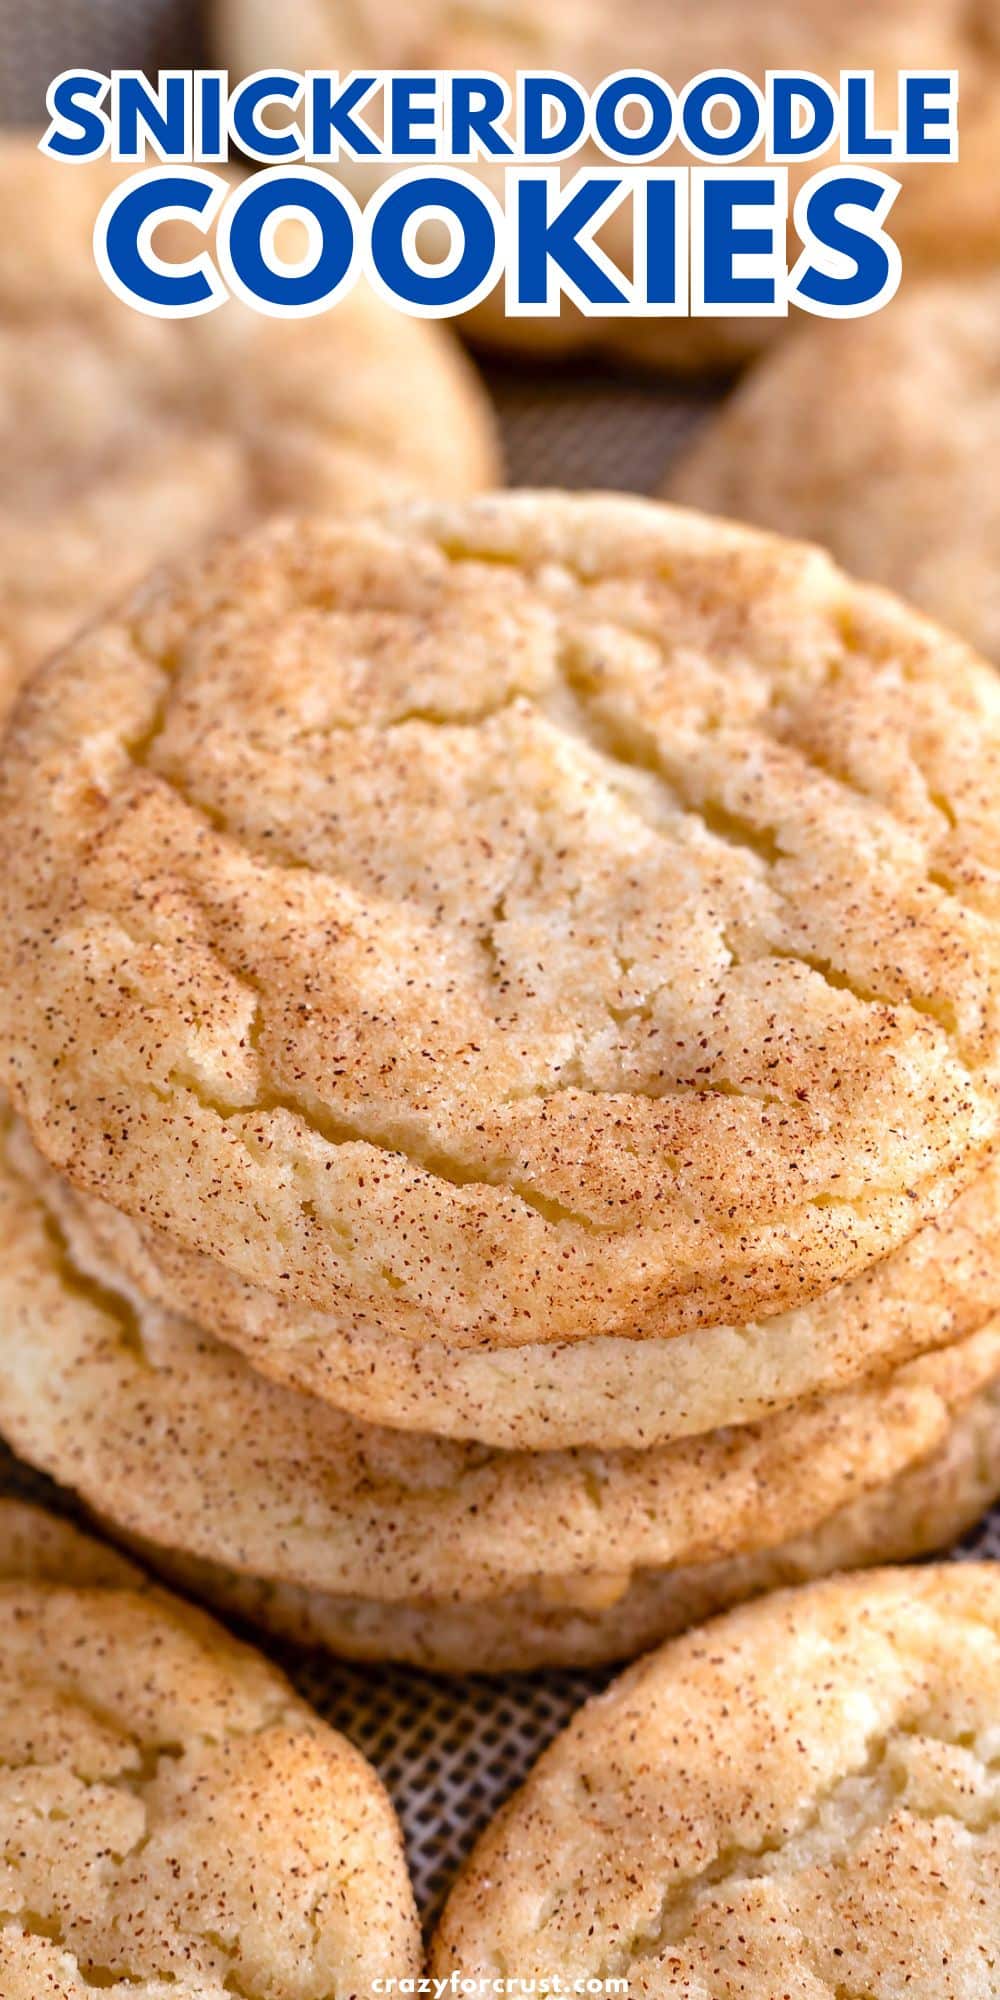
[
  {"x": 590, "y": 39},
  {"x": 128, "y": 439},
  {"x": 533, "y": 918},
  {"x": 176, "y": 1824},
  {"x": 798, "y": 1800}
]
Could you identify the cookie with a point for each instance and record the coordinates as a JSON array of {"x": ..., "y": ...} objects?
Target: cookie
[
  {"x": 589, "y": 40},
  {"x": 532, "y": 919},
  {"x": 923, "y": 1510},
  {"x": 173, "y": 1437},
  {"x": 127, "y": 439},
  {"x": 175, "y": 1821},
  {"x": 39, "y": 1547},
  {"x": 800, "y": 1799},
  {"x": 612, "y": 1393},
  {"x": 948, "y": 219},
  {"x": 877, "y": 440}
]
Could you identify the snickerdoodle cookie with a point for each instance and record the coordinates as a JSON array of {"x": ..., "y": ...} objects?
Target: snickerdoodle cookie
[
  {"x": 800, "y": 1799},
  {"x": 518, "y": 921},
  {"x": 127, "y": 439},
  {"x": 609, "y": 1392},
  {"x": 562, "y": 1624},
  {"x": 949, "y": 218},
  {"x": 174, "y": 1820},
  {"x": 878, "y": 440},
  {"x": 175, "y": 1438}
]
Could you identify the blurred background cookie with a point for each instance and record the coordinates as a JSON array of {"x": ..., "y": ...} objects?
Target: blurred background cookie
[
  {"x": 949, "y": 219},
  {"x": 880, "y": 441},
  {"x": 589, "y": 40},
  {"x": 127, "y": 439}
]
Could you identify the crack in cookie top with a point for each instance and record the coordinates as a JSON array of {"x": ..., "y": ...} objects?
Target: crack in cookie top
[
  {"x": 175, "y": 1822},
  {"x": 800, "y": 1799},
  {"x": 532, "y": 918}
]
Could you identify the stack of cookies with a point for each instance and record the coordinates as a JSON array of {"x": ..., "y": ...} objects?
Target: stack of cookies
[{"x": 499, "y": 1008}]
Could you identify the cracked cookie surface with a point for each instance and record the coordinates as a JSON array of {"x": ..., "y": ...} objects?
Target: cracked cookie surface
[
  {"x": 800, "y": 1799},
  {"x": 175, "y": 1438},
  {"x": 129, "y": 439},
  {"x": 902, "y": 413},
  {"x": 519, "y": 921},
  {"x": 176, "y": 1824}
]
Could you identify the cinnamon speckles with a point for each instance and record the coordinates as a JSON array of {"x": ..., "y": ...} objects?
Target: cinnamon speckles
[
  {"x": 173, "y": 1819},
  {"x": 604, "y": 1391},
  {"x": 518, "y": 922},
  {"x": 561, "y": 1623},
  {"x": 803, "y": 1798},
  {"x": 176, "y": 1439}
]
